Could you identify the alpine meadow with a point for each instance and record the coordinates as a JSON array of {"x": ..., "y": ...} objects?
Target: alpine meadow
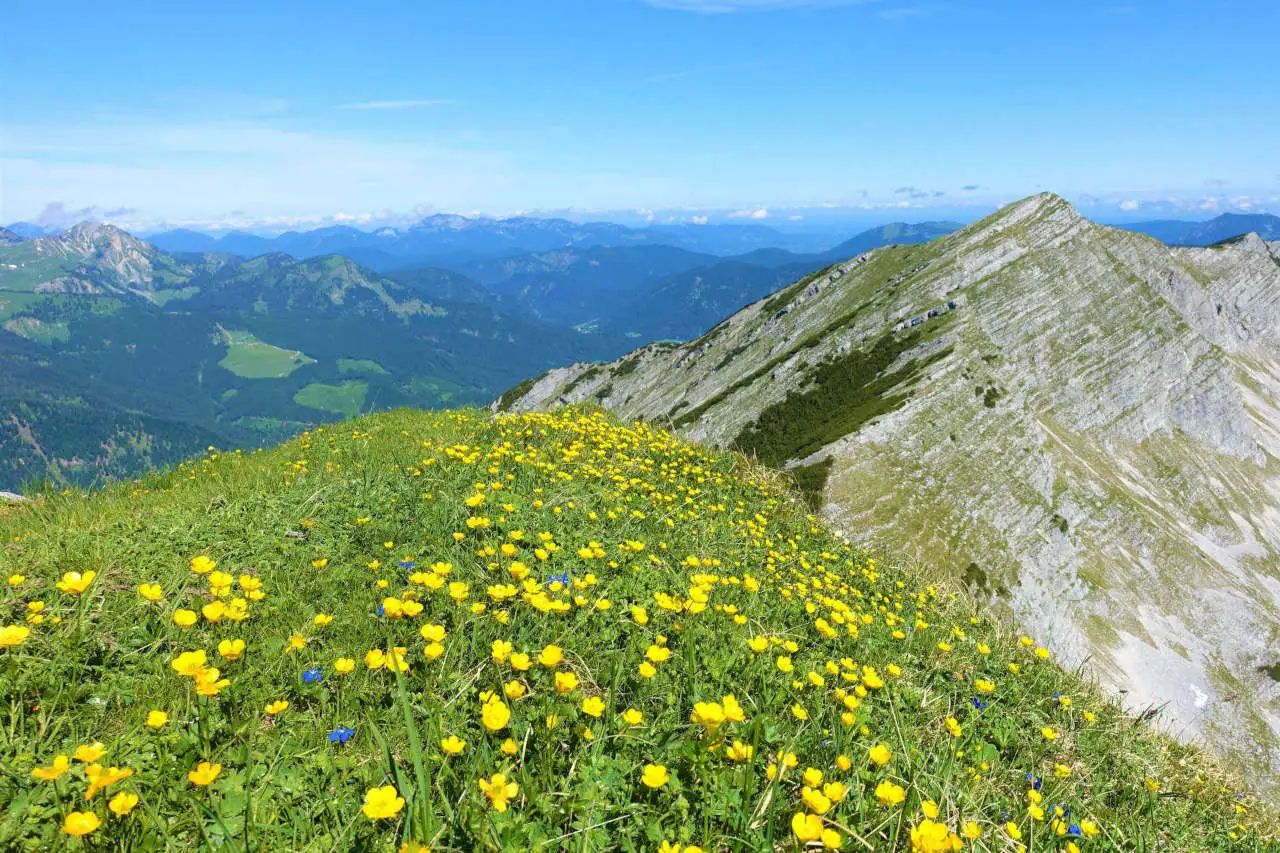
[{"x": 664, "y": 426}]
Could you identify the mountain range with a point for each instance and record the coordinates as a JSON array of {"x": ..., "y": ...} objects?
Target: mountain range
[
  {"x": 120, "y": 356},
  {"x": 1228, "y": 226},
  {"x": 443, "y": 239},
  {"x": 1079, "y": 422}
]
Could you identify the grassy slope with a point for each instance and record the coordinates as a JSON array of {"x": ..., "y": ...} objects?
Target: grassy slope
[{"x": 628, "y": 510}]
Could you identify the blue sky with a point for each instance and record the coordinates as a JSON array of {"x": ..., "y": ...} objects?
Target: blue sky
[{"x": 785, "y": 112}]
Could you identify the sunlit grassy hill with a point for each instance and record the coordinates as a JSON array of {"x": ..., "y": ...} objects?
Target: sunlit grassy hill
[{"x": 533, "y": 632}]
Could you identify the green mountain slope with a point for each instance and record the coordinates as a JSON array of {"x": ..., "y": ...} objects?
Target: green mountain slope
[
  {"x": 1081, "y": 421},
  {"x": 534, "y": 632},
  {"x": 182, "y": 351}
]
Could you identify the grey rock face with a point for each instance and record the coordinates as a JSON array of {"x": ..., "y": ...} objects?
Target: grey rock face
[{"x": 1116, "y": 477}]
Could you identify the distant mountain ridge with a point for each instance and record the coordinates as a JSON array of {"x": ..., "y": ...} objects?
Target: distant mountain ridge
[
  {"x": 450, "y": 236},
  {"x": 1228, "y": 226},
  {"x": 1080, "y": 422},
  {"x": 119, "y": 356}
]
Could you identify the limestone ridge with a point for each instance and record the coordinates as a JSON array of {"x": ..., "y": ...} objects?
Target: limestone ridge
[{"x": 1080, "y": 421}]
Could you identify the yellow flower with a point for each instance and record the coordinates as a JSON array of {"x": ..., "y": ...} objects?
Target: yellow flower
[
  {"x": 509, "y": 747},
  {"x": 321, "y": 619},
  {"x": 184, "y": 618},
  {"x": 551, "y": 656},
  {"x": 566, "y": 682},
  {"x": 103, "y": 777},
  {"x": 78, "y": 824},
  {"x": 655, "y": 775},
  {"x": 1011, "y": 829},
  {"x": 54, "y": 770},
  {"x": 798, "y": 711},
  {"x": 953, "y": 727},
  {"x": 189, "y": 663},
  {"x": 13, "y": 635},
  {"x": 889, "y": 794},
  {"x": 17, "y": 580},
  {"x": 452, "y": 745},
  {"x": 500, "y": 651},
  {"x": 657, "y": 654},
  {"x": 593, "y": 706},
  {"x": 375, "y": 659},
  {"x": 381, "y": 803},
  {"x": 122, "y": 803},
  {"x": 495, "y": 714},
  {"x": 647, "y": 670},
  {"x": 739, "y": 751},
  {"x": 879, "y": 755},
  {"x": 276, "y": 707},
  {"x": 151, "y": 591},
  {"x": 157, "y": 719},
  {"x": 499, "y": 791},
  {"x": 344, "y": 666},
  {"x": 231, "y": 649},
  {"x": 202, "y": 565},
  {"x": 983, "y": 685},
  {"x": 816, "y": 801},
  {"x": 929, "y": 836},
  {"x": 89, "y": 752},
  {"x": 1049, "y": 733},
  {"x": 806, "y": 827},
  {"x": 972, "y": 831},
  {"x": 204, "y": 774},
  {"x": 632, "y": 717},
  {"x": 75, "y": 583},
  {"x": 930, "y": 809}
]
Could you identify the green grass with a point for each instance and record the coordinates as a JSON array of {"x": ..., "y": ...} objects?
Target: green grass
[
  {"x": 38, "y": 330},
  {"x": 383, "y": 511},
  {"x": 16, "y": 301},
  {"x": 345, "y": 398},
  {"x": 250, "y": 358},
  {"x": 360, "y": 365},
  {"x": 177, "y": 294}
]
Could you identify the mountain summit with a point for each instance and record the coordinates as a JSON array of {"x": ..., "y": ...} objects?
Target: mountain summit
[{"x": 1079, "y": 421}]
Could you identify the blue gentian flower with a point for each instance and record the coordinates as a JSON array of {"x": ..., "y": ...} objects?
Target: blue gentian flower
[
  {"x": 312, "y": 675},
  {"x": 978, "y": 703},
  {"x": 407, "y": 564},
  {"x": 562, "y": 579},
  {"x": 341, "y": 734},
  {"x": 1074, "y": 829}
]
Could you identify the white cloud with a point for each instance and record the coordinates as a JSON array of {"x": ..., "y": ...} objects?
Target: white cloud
[
  {"x": 1130, "y": 204},
  {"x": 396, "y": 105},
  {"x": 699, "y": 220},
  {"x": 757, "y": 213}
]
